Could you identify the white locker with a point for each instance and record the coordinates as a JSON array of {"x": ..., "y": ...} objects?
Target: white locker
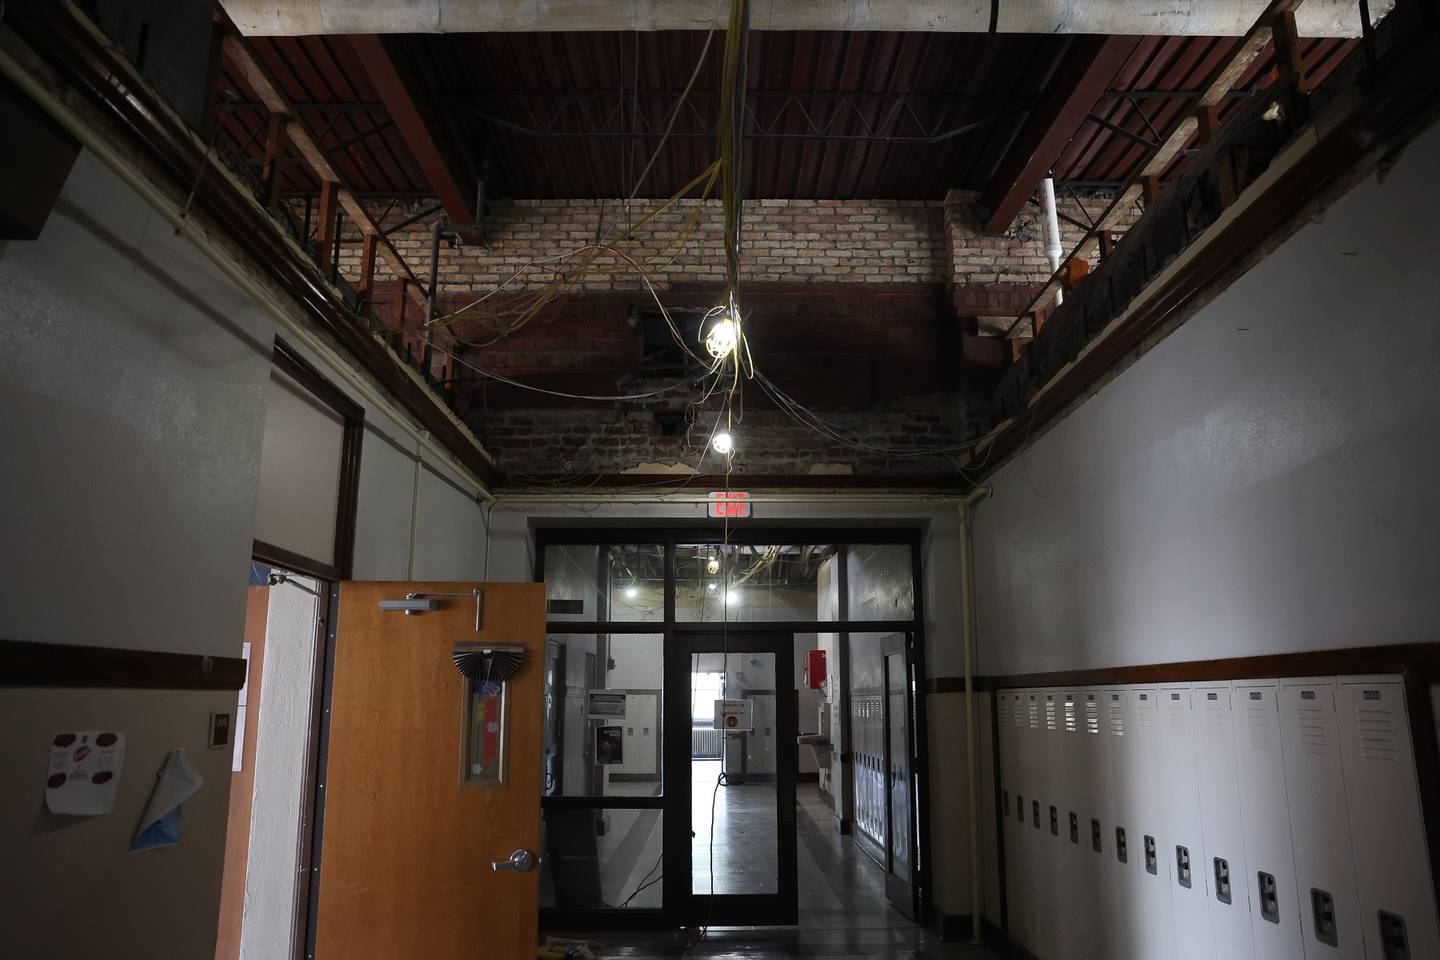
[
  {"x": 1222, "y": 823},
  {"x": 1156, "y": 910},
  {"x": 1183, "y": 846},
  {"x": 1075, "y": 890},
  {"x": 1319, "y": 823},
  {"x": 1028, "y": 817},
  {"x": 1010, "y": 717},
  {"x": 1387, "y": 828},
  {"x": 1121, "y": 916},
  {"x": 1265, "y": 812},
  {"x": 1049, "y": 916}
]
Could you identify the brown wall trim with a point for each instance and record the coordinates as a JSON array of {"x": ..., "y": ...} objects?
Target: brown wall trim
[
  {"x": 27, "y": 664},
  {"x": 1397, "y": 658}
]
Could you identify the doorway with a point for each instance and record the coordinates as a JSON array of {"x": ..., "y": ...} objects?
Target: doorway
[{"x": 732, "y": 740}]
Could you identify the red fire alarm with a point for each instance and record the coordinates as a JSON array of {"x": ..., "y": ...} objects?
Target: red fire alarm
[{"x": 813, "y": 671}]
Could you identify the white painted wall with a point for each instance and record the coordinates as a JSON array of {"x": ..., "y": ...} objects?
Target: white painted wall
[
  {"x": 133, "y": 388},
  {"x": 1262, "y": 481}
]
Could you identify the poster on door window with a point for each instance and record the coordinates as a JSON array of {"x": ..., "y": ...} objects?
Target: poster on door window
[
  {"x": 606, "y": 704},
  {"x": 609, "y": 745},
  {"x": 84, "y": 772},
  {"x": 735, "y": 715}
]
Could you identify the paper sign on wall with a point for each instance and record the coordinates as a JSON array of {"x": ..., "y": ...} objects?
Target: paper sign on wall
[
  {"x": 606, "y": 705},
  {"x": 176, "y": 783},
  {"x": 609, "y": 745},
  {"x": 84, "y": 772},
  {"x": 735, "y": 715}
]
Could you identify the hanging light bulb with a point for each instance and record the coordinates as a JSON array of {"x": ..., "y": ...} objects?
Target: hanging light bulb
[
  {"x": 723, "y": 337},
  {"x": 723, "y": 443},
  {"x": 631, "y": 592},
  {"x": 713, "y": 567},
  {"x": 709, "y": 586},
  {"x": 732, "y": 598}
]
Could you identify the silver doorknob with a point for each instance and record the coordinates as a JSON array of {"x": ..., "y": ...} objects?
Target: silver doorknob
[{"x": 520, "y": 861}]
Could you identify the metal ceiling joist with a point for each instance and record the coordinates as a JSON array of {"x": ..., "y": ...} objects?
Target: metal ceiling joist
[
  {"x": 318, "y": 159},
  {"x": 1069, "y": 98},
  {"x": 454, "y": 190}
]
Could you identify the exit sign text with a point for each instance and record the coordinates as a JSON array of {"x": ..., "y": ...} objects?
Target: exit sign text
[{"x": 729, "y": 504}]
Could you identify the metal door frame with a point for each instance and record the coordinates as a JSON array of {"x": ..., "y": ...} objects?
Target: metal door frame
[{"x": 777, "y": 909}]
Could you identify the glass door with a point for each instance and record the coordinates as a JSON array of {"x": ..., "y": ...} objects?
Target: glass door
[
  {"x": 736, "y": 746},
  {"x": 900, "y": 887}
]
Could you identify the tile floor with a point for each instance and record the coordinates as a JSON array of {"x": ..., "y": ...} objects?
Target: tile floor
[{"x": 843, "y": 911}]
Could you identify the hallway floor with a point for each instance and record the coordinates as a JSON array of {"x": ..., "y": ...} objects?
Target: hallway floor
[{"x": 843, "y": 912}]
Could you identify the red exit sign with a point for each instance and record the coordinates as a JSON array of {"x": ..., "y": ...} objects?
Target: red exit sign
[{"x": 729, "y": 504}]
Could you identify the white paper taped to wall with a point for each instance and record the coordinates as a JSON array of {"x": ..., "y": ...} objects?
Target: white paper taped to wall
[
  {"x": 177, "y": 782},
  {"x": 84, "y": 772}
]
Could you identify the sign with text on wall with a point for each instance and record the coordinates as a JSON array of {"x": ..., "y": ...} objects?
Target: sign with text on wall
[
  {"x": 729, "y": 504},
  {"x": 735, "y": 715}
]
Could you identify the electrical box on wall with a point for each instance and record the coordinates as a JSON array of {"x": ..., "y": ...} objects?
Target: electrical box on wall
[{"x": 813, "y": 670}]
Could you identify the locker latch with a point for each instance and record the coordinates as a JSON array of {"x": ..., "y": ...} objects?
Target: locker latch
[
  {"x": 1152, "y": 859},
  {"x": 1394, "y": 941},
  {"x": 1074, "y": 828},
  {"x": 1122, "y": 852},
  {"x": 1222, "y": 880},
  {"x": 1269, "y": 897},
  {"x": 1323, "y": 907},
  {"x": 1054, "y": 821},
  {"x": 1095, "y": 835},
  {"x": 1005, "y": 803},
  {"x": 1182, "y": 866},
  {"x": 1035, "y": 813}
]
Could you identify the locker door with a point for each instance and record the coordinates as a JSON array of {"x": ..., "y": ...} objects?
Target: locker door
[
  {"x": 1265, "y": 812},
  {"x": 1386, "y": 826},
  {"x": 1183, "y": 849},
  {"x": 1156, "y": 910},
  {"x": 1050, "y": 918},
  {"x": 1032, "y": 755},
  {"x": 1121, "y": 919},
  {"x": 1007, "y": 707},
  {"x": 1222, "y": 823},
  {"x": 1076, "y": 890},
  {"x": 1092, "y": 826},
  {"x": 1319, "y": 825}
]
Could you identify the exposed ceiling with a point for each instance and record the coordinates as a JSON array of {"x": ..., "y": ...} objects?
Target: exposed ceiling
[{"x": 832, "y": 114}]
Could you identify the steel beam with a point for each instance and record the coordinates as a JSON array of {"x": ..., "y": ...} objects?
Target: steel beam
[
  {"x": 455, "y": 189},
  {"x": 1069, "y": 98}
]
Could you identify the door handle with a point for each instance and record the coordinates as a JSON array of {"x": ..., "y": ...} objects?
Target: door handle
[{"x": 521, "y": 861}]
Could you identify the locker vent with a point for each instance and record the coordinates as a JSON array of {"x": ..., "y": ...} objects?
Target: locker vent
[
  {"x": 1115, "y": 718},
  {"x": 1313, "y": 734},
  {"x": 1051, "y": 721},
  {"x": 1072, "y": 719},
  {"x": 1215, "y": 732},
  {"x": 1179, "y": 718},
  {"x": 1034, "y": 714},
  {"x": 1260, "y": 728},
  {"x": 1092, "y": 716},
  {"x": 1377, "y": 734},
  {"x": 1145, "y": 722},
  {"x": 1005, "y": 710}
]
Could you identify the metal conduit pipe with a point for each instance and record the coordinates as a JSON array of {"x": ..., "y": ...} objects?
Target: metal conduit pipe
[
  {"x": 167, "y": 207},
  {"x": 972, "y": 734},
  {"x": 1053, "y": 247}
]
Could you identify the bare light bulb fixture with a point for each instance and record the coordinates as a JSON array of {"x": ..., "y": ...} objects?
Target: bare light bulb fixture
[
  {"x": 709, "y": 586},
  {"x": 713, "y": 567},
  {"x": 631, "y": 592},
  {"x": 722, "y": 338},
  {"x": 723, "y": 443},
  {"x": 732, "y": 598}
]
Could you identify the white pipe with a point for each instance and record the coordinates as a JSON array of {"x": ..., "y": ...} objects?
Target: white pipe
[
  {"x": 972, "y": 733},
  {"x": 1314, "y": 18},
  {"x": 695, "y": 500},
  {"x": 1053, "y": 248},
  {"x": 187, "y": 226}
]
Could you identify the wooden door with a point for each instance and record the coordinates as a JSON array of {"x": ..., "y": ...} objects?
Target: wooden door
[{"x": 408, "y": 842}]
